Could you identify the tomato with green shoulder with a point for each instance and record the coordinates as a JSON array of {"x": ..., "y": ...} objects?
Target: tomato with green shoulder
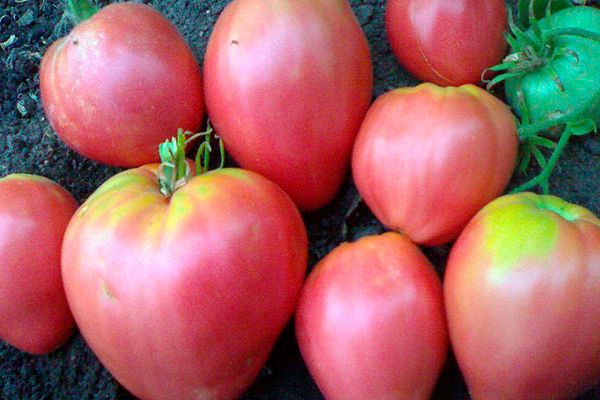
[
  {"x": 181, "y": 284},
  {"x": 522, "y": 293}
]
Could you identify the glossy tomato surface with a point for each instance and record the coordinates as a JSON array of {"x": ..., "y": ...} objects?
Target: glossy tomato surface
[
  {"x": 370, "y": 321},
  {"x": 120, "y": 83},
  {"x": 184, "y": 297},
  {"x": 428, "y": 158},
  {"x": 287, "y": 85},
  {"x": 449, "y": 43},
  {"x": 522, "y": 291},
  {"x": 34, "y": 213}
]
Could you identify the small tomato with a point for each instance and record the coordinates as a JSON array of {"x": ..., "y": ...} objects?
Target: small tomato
[{"x": 370, "y": 321}]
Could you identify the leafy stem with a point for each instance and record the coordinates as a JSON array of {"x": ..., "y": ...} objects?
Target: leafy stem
[
  {"x": 543, "y": 177},
  {"x": 80, "y": 10},
  {"x": 533, "y": 48},
  {"x": 174, "y": 171}
]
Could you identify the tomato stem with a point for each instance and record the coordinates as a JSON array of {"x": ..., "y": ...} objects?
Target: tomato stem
[
  {"x": 80, "y": 10},
  {"x": 174, "y": 171},
  {"x": 543, "y": 178}
]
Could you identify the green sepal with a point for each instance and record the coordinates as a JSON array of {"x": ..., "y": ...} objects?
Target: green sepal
[
  {"x": 584, "y": 127},
  {"x": 534, "y": 10}
]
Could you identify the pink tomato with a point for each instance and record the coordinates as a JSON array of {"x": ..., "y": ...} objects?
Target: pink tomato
[
  {"x": 287, "y": 85},
  {"x": 34, "y": 213},
  {"x": 370, "y": 322},
  {"x": 447, "y": 42},
  {"x": 428, "y": 158},
  {"x": 522, "y": 290},
  {"x": 120, "y": 83},
  {"x": 183, "y": 296}
]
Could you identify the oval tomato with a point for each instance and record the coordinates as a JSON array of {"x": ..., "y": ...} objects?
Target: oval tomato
[
  {"x": 449, "y": 43},
  {"x": 183, "y": 297},
  {"x": 120, "y": 83},
  {"x": 370, "y": 321},
  {"x": 287, "y": 85},
  {"x": 34, "y": 213},
  {"x": 522, "y": 291},
  {"x": 427, "y": 158}
]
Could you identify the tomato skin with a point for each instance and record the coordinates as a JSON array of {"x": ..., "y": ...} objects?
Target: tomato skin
[
  {"x": 522, "y": 291},
  {"x": 370, "y": 322},
  {"x": 184, "y": 298},
  {"x": 449, "y": 43},
  {"x": 286, "y": 94},
  {"x": 120, "y": 83},
  {"x": 34, "y": 213},
  {"x": 427, "y": 158}
]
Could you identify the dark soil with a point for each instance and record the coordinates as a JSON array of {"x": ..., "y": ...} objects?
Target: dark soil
[{"x": 28, "y": 144}]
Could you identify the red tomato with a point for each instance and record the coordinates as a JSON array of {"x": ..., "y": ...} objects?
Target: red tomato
[
  {"x": 370, "y": 321},
  {"x": 522, "y": 292},
  {"x": 120, "y": 83},
  {"x": 449, "y": 43},
  {"x": 428, "y": 158},
  {"x": 183, "y": 297},
  {"x": 34, "y": 213},
  {"x": 287, "y": 85}
]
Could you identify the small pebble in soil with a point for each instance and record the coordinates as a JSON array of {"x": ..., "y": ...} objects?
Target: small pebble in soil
[
  {"x": 27, "y": 18},
  {"x": 26, "y": 106}
]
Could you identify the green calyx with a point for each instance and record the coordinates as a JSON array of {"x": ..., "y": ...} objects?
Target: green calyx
[
  {"x": 548, "y": 40},
  {"x": 80, "y": 10},
  {"x": 174, "y": 171}
]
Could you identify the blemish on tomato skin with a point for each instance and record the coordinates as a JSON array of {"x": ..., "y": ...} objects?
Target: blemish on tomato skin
[{"x": 107, "y": 293}]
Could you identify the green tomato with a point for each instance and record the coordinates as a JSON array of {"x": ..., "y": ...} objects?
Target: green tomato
[
  {"x": 552, "y": 80},
  {"x": 567, "y": 83}
]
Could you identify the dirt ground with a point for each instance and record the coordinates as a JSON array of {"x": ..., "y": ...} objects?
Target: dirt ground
[{"x": 28, "y": 144}]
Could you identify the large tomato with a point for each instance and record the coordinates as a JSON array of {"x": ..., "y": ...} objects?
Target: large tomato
[
  {"x": 34, "y": 213},
  {"x": 522, "y": 291},
  {"x": 287, "y": 85},
  {"x": 370, "y": 321},
  {"x": 428, "y": 158},
  {"x": 183, "y": 297},
  {"x": 449, "y": 43},
  {"x": 120, "y": 83}
]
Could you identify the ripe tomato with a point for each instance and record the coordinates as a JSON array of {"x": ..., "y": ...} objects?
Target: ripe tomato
[
  {"x": 370, "y": 321},
  {"x": 287, "y": 85},
  {"x": 34, "y": 213},
  {"x": 427, "y": 158},
  {"x": 120, "y": 83},
  {"x": 522, "y": 291},
  {"x": 183, "y": 297},
  {"x": 449, "y": 43}
]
